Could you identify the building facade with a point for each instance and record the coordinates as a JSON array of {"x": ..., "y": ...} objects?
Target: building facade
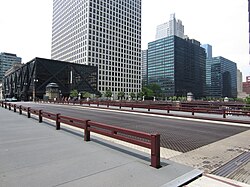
[
  {"x": 209, "y": 55},
  {"x": 239, "y": 81},
  {"x": 177, "y": 65},
  {"x": 144, "y": 67},
  {"x": 30, "y": 81},
  {"x": 221, "y": 78},
  {"x": 172, "y": 27},
  {"x": 102, "y": 33},
  {"x": 7, "y": 60},
  {"x": 246, "y": 85},
  {"x": 209, "y": 50}
]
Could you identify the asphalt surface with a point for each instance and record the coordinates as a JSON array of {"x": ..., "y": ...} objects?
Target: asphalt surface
[{"x": 178, "y": 135}]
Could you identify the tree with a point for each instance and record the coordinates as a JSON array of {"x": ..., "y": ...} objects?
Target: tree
[
  {"x": 155, "y": 88},
  {"x": 247, "y": 100},
  {"x": 140, "y": 95},
  {"x": 174, "y": 98},
  {"x": 86, "y": 94},
  {"x": 108, "y": 93},
  {"x": 121, "y": 94},
  {"x": 147, "y": 92},
  {"x": 73, "y": 93},
  {"x": 132, "y": 95}
]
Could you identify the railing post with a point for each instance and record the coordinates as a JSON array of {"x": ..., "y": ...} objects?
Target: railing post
[
  {"x": 155, "y": 150},
  {"x": 9, "y": 106},
  {"x": 192, "y": 111},
  {"x": 20, "y": 109},
  {"x": 86, "y": 131},
  {"x": 28, "y": 112},
  {"x": 14, "y": 107},
  {"x": 57, "y": 121},
  {"x": 40, "y": 117}
]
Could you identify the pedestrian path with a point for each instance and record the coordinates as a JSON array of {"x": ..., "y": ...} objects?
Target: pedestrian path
[{"x": 35, "y": 154}]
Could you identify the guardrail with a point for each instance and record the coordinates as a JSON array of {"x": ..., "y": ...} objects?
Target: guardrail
[
  {"x": 147, "y": 140},
  {"x": 223, "y": 111}
]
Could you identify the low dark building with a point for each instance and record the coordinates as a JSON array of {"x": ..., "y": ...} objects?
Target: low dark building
[{"x": 30, "y": 81}]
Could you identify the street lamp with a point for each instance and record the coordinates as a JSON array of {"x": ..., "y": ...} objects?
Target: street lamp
[
  {"x": 79, "y": 96},
  {"x": 34, "y": 89},
  {"x": 60, "y": 94}
]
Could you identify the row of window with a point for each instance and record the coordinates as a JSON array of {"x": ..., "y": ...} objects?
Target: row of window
[{"x": 118, "y": 89}]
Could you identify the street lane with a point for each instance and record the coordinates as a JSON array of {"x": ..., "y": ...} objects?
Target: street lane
[{"x": 178, "y": 135}]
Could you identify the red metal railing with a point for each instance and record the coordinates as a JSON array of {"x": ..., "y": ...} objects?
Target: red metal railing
[
  {"x": 211, "y": 110},
  {"x": 150, "y": 141}
]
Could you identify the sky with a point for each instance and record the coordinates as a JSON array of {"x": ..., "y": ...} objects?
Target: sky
[{"x": 26, "y": 26}]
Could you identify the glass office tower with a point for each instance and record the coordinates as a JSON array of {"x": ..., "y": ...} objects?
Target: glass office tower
[
  {"x": 223, "y": 78},
  {"x": 102, "y": 33},
  {"x": 7, "y": 60},
  {"x": 177, "y": 65}
]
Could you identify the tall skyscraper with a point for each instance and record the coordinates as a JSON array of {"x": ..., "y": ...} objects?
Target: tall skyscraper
[
  {"x": 103, "y": 33},
  {"x": 223, "y": 75},
  {"x": 208, "y": 49},
  {"x": 209, "y": 56},
  {"x": 239, "y": 81},
  {"x": 7, "y": 60},
  {"x": 144, "y": 67},
  {"x": 172, "y": 27},
  {"x": 177, "y": 65}
]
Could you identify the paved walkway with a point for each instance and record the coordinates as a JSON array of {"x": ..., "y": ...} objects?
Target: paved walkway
[{"x": 35, "y": 154}]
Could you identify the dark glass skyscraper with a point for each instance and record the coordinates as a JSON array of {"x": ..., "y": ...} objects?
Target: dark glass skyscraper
[
  {"x": 223, "y": 74},
  {"x": 177, "y": 65}
]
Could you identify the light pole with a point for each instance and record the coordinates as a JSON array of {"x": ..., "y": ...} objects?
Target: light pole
[
  {"x": 60, "y": 95},
  {"x": 79, "y": 96},
  {"x": 18, "y": 92},
  {"x": 34, "y": 89}
]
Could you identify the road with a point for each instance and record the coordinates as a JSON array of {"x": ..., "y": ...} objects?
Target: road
[{"x": 176, "y": 134}]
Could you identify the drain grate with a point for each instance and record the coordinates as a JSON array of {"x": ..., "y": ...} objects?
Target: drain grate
[{"x": 232, "y": 165}]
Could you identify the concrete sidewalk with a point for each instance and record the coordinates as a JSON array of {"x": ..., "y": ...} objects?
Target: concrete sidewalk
[{"x": 35, "y": 154}]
